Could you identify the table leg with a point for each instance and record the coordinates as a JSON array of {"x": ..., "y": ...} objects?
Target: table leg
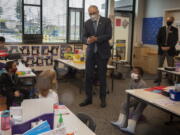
[
  {"x": 56, "y": 63},
  {"x": 112, "y": 82},
  {"x": 82, "y": 82},
  {"x": 127, "y": 109}
]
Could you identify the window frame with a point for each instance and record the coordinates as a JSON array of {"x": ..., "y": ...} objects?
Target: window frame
[
  {"x": 23, "y": 24},
  {"x": 67, "y": 22},
  {"x": 79, "y": 10}
]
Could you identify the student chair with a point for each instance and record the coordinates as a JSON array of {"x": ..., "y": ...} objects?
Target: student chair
[{"x": 87, "y": 120}]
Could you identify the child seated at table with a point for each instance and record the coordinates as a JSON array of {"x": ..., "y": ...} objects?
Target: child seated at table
[
  {"x": 137, "y": 107},
  {"x": 11, "y": 86},
  {"x": 3, "y": 50},
  {"x": 45, "y": 87},
  {"x": 53, "y": 77}
]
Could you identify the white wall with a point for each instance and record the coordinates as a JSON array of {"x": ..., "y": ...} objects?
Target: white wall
[
  {"x": 155, "y": 8},
  {"x": 151, "y": 8}
]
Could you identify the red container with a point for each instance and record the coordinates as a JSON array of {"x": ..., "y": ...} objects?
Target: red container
[{"x": 5, "y": 121}]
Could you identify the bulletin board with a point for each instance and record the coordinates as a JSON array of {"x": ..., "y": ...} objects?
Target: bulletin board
[{"x": 150, "y": 29}]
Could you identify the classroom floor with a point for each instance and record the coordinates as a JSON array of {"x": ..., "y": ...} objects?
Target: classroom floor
[{"x": 155, "y": 118}]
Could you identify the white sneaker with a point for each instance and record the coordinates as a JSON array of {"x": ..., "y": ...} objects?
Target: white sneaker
[
  {"x": 131, "y": 127},
  {"x": 120, "y": 122}
]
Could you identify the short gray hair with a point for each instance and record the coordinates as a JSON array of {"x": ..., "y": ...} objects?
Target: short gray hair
[{"x": 93, "y": 6}]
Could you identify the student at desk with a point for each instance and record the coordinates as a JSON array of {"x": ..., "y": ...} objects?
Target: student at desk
[
  {"x": 45, "y": 84},
  {"x": 3, "y": 50},
  {"x": 3, "y": 54},
  {"x": 137, "y": 107},
  {"x": 11, "y": 86}
]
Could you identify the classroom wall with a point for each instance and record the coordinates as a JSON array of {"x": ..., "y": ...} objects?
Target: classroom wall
[
  {"x": 149, "y": 9},
  {"x": 156, "y": 8},
  {"x": 41, "y": 56}
]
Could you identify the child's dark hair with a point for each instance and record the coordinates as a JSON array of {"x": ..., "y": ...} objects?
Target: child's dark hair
[
  {"x": 9, "y": 65},
  {"x": 141, "y": 71},
  {"x": 2, "y": 39}
]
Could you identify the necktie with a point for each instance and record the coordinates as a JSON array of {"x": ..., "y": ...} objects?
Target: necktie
[
  {"x": 95, "y": 30},
  {"x": 167, "y": 34}
]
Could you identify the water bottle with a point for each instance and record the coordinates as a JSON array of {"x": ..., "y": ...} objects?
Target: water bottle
[{"x": 5, "y": 121}]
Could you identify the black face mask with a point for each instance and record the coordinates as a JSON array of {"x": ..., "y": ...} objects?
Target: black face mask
[{"x": 169, "y": 23}]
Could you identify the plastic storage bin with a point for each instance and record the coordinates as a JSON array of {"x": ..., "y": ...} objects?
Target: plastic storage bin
[{"x": 174, "y": 95}]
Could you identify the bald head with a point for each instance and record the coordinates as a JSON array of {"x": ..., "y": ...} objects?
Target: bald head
[{"x": 170, "y": 20}]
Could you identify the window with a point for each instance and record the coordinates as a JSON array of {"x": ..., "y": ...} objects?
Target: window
[
  {"x": 48, "y": 21},
  {"x": 54, "y": 20},
  {"x": 99, "y": 3},
  {"x": 32, "y": 20},
  {"x": 125, "y": 5},
  {"x": 76, "y": 3},
  {"x": 10, "y": 20},
  {"x": 33, "y": 2},
  {"x": 75, "y": 25}
]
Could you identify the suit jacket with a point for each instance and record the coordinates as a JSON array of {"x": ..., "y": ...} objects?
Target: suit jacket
[
  {"x": 103, "y": 34},
  {"x": 171, "y": 41}
]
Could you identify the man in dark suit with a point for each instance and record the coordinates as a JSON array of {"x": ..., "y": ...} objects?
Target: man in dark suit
[
  {"x": 167, "y": 39},
  {"x": 97, "y": 33}
]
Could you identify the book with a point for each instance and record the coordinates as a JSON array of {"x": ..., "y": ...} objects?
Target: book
[{"x": 41, "y": 128}]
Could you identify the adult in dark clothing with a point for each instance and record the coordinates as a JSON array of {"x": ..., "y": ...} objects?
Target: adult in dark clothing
[
  {"x": 167, "y": 39},
  {"x": 10, "y": 85},
  {"x": 97, "y": 33}
]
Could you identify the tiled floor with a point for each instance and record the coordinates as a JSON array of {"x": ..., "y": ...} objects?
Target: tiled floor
[{"x": 153, "y": 125}]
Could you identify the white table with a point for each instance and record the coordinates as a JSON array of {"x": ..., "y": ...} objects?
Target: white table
[
  {"x": 157, "y": 100},
  {"x": 175, "y": 73},
  {"x": 80, "y": 67},
  {"x": 29, "y": 75},
  {"x": 72, "y": 123}
]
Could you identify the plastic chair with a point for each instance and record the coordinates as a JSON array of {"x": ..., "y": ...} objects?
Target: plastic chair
[{"x": 87, "y": 120}]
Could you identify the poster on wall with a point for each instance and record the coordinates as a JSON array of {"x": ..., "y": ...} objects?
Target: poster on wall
[
  {"x": 35, "y": 50},
  {"x": 45, "y": 50},
  {"x": 118, "y": 22},
  {"x": 121, "y": 38},
  {"x": 151, "y": 27},
  {"x": 54, "y": 50},
  {"x": 30, "y": 61},
  {"x": 13, "y": 49},
  {"x": 40, "y": 61},
  {"x": 121, "y": 49},
  {"x": 65, "y": 49},
  {"x": 25, "y": 50},
  {"x": 78, "y": 48},
  {"x": 49, "y": 60}
]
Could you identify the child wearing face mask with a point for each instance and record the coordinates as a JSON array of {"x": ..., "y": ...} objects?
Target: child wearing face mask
[{"x": 138, "y": 107}]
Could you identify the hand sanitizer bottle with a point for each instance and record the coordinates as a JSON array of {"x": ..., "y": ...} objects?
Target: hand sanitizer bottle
[{"x": 60, "y": 121}]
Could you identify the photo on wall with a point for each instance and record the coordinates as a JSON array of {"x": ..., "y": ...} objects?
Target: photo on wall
[
  {"x": 25, "y": 50},
  {"x": 40, "y": 61},
  {"x": 35, "y": 50},
  {"x": 45, "y": 50},
  {"x": 54, "y": 50},
  {"x": 30, "y": 61}
]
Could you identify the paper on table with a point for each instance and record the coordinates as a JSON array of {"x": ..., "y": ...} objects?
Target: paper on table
[
  {"x": 35, "y": 107},
  {"x": 165, "y": 102},
  {"x": 16, "y": 113},
  {"x": 61, "y": 109}
]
